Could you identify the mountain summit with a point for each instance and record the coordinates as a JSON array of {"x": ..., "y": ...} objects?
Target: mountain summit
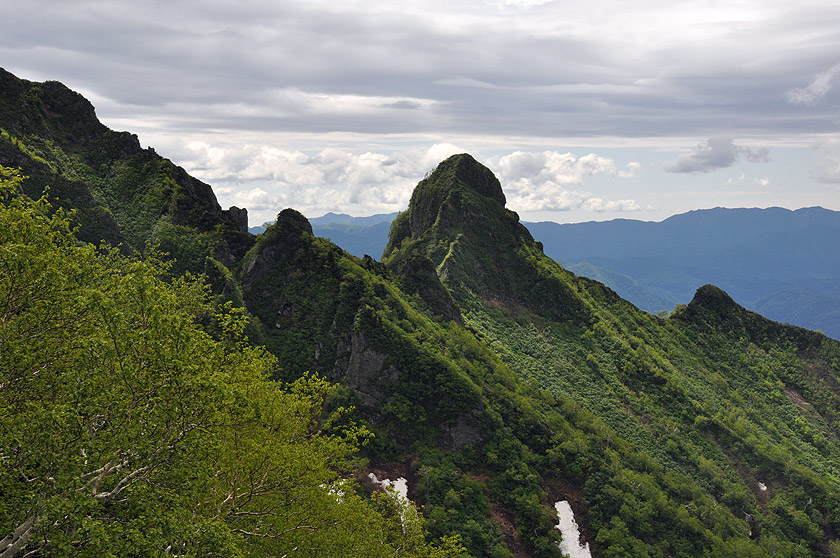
[
  {"x": 455, "y": 181},
  {"x": 457, "y": 219}
]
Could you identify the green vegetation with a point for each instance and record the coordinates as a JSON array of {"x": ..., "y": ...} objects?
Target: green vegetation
[
  {"x": 122, "y": 194},
  {"x": 667, "y": 426},
  {"x": 164, "y": 404},
  {"x": 125, "y": 429}
]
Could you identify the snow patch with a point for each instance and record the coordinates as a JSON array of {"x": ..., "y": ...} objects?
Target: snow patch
[
  {"x": 400, "y": 485},
  {"x": 570, "y": 545}
]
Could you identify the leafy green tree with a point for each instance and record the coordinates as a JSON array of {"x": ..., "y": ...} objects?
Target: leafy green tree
[{"x": 127, "y": 430}]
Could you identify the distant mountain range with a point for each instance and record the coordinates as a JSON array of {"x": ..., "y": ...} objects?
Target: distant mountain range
[{"x": 783, "y": 264}]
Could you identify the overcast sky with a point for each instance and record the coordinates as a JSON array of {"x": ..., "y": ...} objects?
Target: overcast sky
[{"x": 585, "y": 110}]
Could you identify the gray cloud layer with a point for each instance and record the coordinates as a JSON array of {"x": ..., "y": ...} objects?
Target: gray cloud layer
[{"x": 462, "y": 67}]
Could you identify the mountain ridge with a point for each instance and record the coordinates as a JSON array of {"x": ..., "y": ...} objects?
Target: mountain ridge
[
  {"x": 754, "y": 254},
  {"x": 499, "y": 382},
  {"x": 122, "y": 192},
  {"x": 779, "y": 267}
]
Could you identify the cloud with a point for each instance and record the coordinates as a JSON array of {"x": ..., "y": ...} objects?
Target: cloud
[
  {"x": 535, "y": 168},
  {"x": 749, "y": 180},
  {"x": 552, "y": 197},
  {"x": 542, "y": 181},
  {"x": 827, "y": 169},
  {"x": 265, "y": 179},
  {"x": 713, "y": 154},
  {"x": 815, "y": 91},
  {"x": 630, "y": 171},
  {"x": 466, "y": 82},
  {"x": 405, "y": 105},
  {"x": 496, "y": 68}
]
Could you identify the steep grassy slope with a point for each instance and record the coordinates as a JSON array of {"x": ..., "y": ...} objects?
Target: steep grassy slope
[{"x": 696, "y": 410}]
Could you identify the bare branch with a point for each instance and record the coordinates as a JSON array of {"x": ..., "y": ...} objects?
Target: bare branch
[
  {"x": 127, "y": 481},
  {"x": 14, "y": 543}
]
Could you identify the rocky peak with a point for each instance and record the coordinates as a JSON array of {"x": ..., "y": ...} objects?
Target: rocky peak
[
  {"x": 712, "y": 300},
  {"x": 238, "y": 217},
  {"x": 712, "y": 306},
  {"x": 479, "y": 250},
  {"x": 276, "y": 244},
  {"x": 49, "y": 109},
  {"x": 459, "y": 184},
  {"x": 464, "y": 169},
  {"x": 292, "y": 220}
]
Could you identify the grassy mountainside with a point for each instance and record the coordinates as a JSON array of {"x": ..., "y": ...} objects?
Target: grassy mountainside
[
  {"x": 695, "y": 410},
  {"x": 498, "y": 382},
  {"x": 495, "y": 380}
]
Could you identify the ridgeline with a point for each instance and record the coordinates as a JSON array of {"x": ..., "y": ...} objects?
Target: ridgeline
[{"x": 493, "y": 379}]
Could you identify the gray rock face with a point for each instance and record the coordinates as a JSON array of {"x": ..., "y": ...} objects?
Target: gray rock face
[
  {"x": 238, "y": 217},
  {"x": 461, "y": 434},
  {"x": 365, "y": 368}
]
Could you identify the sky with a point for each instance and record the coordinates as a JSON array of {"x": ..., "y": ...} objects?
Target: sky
[{"x": 585, "y": 111}]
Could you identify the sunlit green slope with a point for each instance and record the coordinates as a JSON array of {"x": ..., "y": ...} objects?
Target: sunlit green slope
[{"x": 708, "y": 406}]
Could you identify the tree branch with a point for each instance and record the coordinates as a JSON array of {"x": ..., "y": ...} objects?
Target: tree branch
[
  {"x": 127, "y": 481},
  {"x": 13, "y": 543}
]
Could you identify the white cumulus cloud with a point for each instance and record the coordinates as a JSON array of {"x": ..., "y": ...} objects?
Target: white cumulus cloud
[
  {"x": 815, "y": 91},
  {"x": 544, "y": 181},
  {"x": 266, "y": 179},
  {"x": 713, "y": 154}
]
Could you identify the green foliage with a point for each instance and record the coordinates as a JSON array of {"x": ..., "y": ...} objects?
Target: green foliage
[
  {"x": 669, "y": 425},
  {"x": 125, "y": 429}
]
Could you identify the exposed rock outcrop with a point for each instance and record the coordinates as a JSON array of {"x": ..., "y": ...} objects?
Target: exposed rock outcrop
[{"x": 237, "y": 217}]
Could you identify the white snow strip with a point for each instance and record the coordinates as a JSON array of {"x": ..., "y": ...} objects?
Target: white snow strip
[
  {"x": 400, "y": 485},
  {"x": 570, "y": 545}
]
